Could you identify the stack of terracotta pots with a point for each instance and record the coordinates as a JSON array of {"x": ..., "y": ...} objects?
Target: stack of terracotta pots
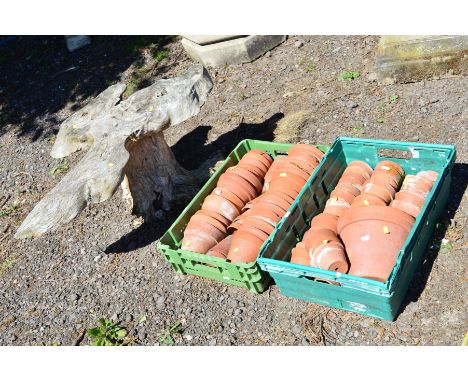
[
  {"x": 283, "y": 182},
  {"x": 358, "y": 224},
  {"x": 235, "y": 188},
  {"x": 414, "y": 191}
]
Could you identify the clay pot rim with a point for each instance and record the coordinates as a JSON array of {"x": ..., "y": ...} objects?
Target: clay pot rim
[
  {"x": 362, "y": 164},
  {"x": 379, "y": 213},
  {"x": 248, "y": 176},
  {"x": 392, "y": 164},
  {"x": 236, "y": 211},
  {"x": 240, "y": 182},
  {"x": 229, "y": 195}
]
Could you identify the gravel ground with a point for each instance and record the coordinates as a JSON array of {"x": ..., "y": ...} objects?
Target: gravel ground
[{"x": 101, "y": 265}]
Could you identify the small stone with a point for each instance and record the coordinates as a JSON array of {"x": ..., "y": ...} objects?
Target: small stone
[
  {"x": 351, "y": 104},
  {"x": 188, "y": 337},
  {"x": 356, "y": 333},
  {"x": 415, "y": 138},
  {"x": 114, "y": 317},
  {"x": 128, "y": 317},
  {"x": 142, "y": 336},
  {"x": 299, "y": 44},
  {"x": 372, "y": 77},
  {"x": 268, "y": 54},
  {"x": 212, "y": 342},
  {"x": 237, "y": 312},
  {"x": 160, "y": 302},
  {"x": 97, "y": 258},
  {"x": 288, "y": 94}
]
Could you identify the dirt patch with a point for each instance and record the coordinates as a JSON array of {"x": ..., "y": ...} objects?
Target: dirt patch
[{"x": 103, "y": 265}]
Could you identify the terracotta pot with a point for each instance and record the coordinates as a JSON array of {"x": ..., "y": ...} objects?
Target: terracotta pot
[
  {"x": 263, "y": 154},
  {"x": 287, "y": 181},
  {"x": 262, "y": 225},
  {"x": 409, "y": 208},
  {"x": 203, "y": 228},
  {"x": 430, "y": 175},
  {"x": 274, "y": 198},
  {"x": 325, "y": 220},
  {"x": 379, "y": 190},
  {"x": 410, "y": 197},
  {"x": 381, "y": 177},
  {"x": 415, "y": 189},
  {"x": 235, "y": 225},
  {"x": 267, "y": 214},
  {"x": 197, "y": 243},
  {"x": 222, "y": 248},
  {"x": 367, "y": 200},
  {"x": 270, "y": 206},
  {"x": 318, "y": 236},
  {"x": 373, "y": 237},
  {"x": 330, "y": 256},
  {"x": 419, "y": 182},
  {"x": 282, "y": 195},
  {"x": 352, "y": 178},
  {"x": 300, "y": 255},
  {"x": 215, "y": 215},
  {"x": 254, "y": 231},
  {"x": 336, "y": 206},
  {"x": 257, "y": 171},
  {"x": 277, "y": 166},
  {"x": 232, "y": 197},
  {"x": 238, "y": 185},
  {"x": 348, "y": 188},
  {"x": 304, "y": 164},
  {"x": 310, "y": 159},
  {"x": 244, "y": 247},
  {"x": 206, "y": 219},
  {"x": 303, "y": 148},
  {"x": 342, "y": 194},
  {"x": 364, "y": 165},
  {"x": 293, "y": 169},
  {"x": 387, "y": 165},
  {"x": 220, "y": 205},
  {"x": 248, "y": 176}
]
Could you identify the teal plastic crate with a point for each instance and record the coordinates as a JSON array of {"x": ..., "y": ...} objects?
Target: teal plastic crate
[
  {"x": 356, "y": 294},
  {"x": 247, "y": 275}
]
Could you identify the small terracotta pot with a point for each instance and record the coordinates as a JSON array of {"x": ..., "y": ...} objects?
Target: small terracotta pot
[
  {"x": 256, "y": 162},
  {"x": 265, "y": 159},
  {"x": 410, "y": 197},
  {"x": 286, "y": 182},
  {"x": 305, "y": 157},
  {"x": 206, "y": 219},
  {"x": 262, "y": 153},
  {"x": 383, "y": 178},
  {"x": 286, "y": 197},
  {"x": 364, "y": 165},
  {"x": 304, "y": 164},
  {"x": 379, "y": 190},
  {"x": 357, "y": 170},
  {"x": 280, "y": 211},
  {"x": 387, "y": 165},
  {"x": 267, "y": 214},
  {"x": 303, "y": 148},
  {"x": 407, "y": 207},
  {"x": 418, "y": 182},
  {"x": 222, "y": 248},
  {"x": 215, "y": 215},
  {"x": 293, "y": 169},
  {"x": 336, "y": 206},
  {"x": 300, "y": 255},
  {"x": 330, "y": 256},
  {"x": 262, "y": 225},
  {"x": 342, "y": 194},
  {"x": 316, "y": 236},
  {"x": 197, "y": 243},
  {"x": 238, "y": 185},
  {"x": 204, "y": 229},
  {"x": 248, "y": 176},
  {"x": 373, "y": 237},
  {"x": 348, "y": 188},
  {"x": 430, "y": 175},
  {"x": 281, "y": 187},
  {"x": 352, "y": 178},
  {"x": 367, "y": 200},
  {"x": 325, "y": 220},
  {"x": 232, "y": 197},
  {"x": 244, "y": 247},
  {"x": 235, "y": 225},
  {"x": 274, "y": 198},
  {"x": 220, "y": 205},
  {"x": 257, "y": 171},
  {"x": 254, "y": 231}
]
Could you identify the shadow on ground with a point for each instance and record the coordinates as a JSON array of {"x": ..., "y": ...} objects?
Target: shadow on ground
[
  {"x": 38, "y": 76},
  {"x": 457, "y": 190},
  {"x": 192, "y": 151}
]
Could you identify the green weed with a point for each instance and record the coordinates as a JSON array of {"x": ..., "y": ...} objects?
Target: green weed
[
  {"x": 358, "y": 131},
  {"x": 348, "y": 75},
  {"x": 62, "y": 166},
  {"x": 394, "y": 98},
  {"x": 160, "y": 55},
  {"x": 167, "y": 337},
  {"x": 7, "y": 210},
  {"x": 108, "y": 333},
  {"x": 6, "y": 264}
]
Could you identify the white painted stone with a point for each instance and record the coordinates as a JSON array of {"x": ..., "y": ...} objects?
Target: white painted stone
[{"x": 237, "y": 51}]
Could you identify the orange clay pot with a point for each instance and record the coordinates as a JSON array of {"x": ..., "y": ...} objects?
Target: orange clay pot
[
  {"x": 363, "y": 165},
  {"x": 342, "y": 194},
  {"x": 244, "y": 247},
  {"x": 325, "y": 220},
  {"x": 274, "y": 198},
  {"x": 206, "y": 219},
  {"x": 229, "y": 195},
  {"x": 373, "y": 237},
  {"x": 262, "y": 225},
  {"x": 222, "y": 248},
  {"x": 429, "y": 175},
  {"x": 410, "y": 197},
  {"x": 197, "y": 243},
  {"x": 387, "y": 165},
  {"x": 225, "y": 222},
  {"x": 198, "y": 227},
  {"x": 304, "y": 164},
  {"x": 379, "y": 190},
  {"x": 367, "y": 200},
  {"x": 238, "y": 185},
  {"x": 407, "y": 207},
  {"x": 220, "y": 205},
  {"x": 336, "y": 206},
  {"x": 248, "y": 176},
  {"x": 303, "y": 148},
  {"x": 330, "y": 256},
  {"x": 348, "y": 188},
  {"x": 316, "y": 236},
  {"x": 384, "y": 179},
  {"x": 300, "y": 255}
]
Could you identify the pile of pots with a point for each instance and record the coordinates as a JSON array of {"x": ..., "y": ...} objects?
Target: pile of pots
[
  {"x": 366, "y": 220},
  {"x": 248, "y": 202}
]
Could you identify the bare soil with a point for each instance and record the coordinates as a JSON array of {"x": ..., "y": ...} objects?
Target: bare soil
[{"x": 103, "y": 264}]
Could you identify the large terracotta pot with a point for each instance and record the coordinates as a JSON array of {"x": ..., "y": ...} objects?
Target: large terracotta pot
[{"x": 373, "y": 237}]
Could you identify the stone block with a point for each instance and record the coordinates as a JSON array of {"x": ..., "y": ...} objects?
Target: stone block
[
  {"x": 210, "y": 39},
  {"x": 237, "y": 51},
  {"x": 413, "y": 58}
]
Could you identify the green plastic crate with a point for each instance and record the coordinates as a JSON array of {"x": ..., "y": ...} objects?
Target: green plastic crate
[
  {"x": 247, "y": 275},
  {"x": 356, "y": 294}
]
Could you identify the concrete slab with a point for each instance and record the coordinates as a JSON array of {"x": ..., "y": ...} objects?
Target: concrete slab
[
  {"x": 237, "y": 51},
  {"x": 413, "y": 58},
  {"x": 210, "y": 39}
]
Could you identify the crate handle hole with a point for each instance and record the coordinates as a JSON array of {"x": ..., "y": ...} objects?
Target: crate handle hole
[{"x": 394, "y": 153}]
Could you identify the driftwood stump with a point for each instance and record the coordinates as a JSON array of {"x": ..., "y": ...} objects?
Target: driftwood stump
[{"x": 126, "y": 146}]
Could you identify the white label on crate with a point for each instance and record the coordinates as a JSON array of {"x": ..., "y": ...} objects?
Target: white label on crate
[
  {"x": 414, "y": 153},
  {"x": 286, "y": 214}
]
